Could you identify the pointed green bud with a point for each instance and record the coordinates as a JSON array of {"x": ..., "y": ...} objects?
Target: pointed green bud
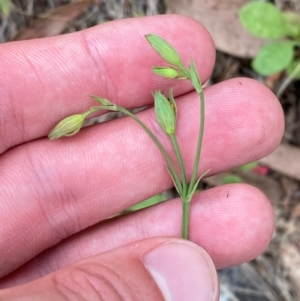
[
  {"x": 106, "y": 104},
  {"x": 103, "y": 101},
  {"x": 165, "y": 113},
  {"x": 168, "y": 72},
  {"x": 195, "y": 77},
  {"x": 164, "y": 49},
  {"x": 69, "y": 126}
]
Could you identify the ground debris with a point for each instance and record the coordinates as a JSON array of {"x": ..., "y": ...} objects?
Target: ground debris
[
  {"x": 285, "y": 160},
  {"x": 52, "y": 23}
]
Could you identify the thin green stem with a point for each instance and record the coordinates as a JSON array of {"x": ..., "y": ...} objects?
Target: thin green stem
[
  {"x": 181, "y": 165},
  {"x": 185, "y": 218},
  {"x": 158, "y": 144},
  {"x": 200, "y": 141},
  {"x": 191, "y": 188},
  {"x": 201, "y": 132}
]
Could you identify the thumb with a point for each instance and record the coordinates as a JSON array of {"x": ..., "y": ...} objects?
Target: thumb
[{"x": 160, "y": 269}]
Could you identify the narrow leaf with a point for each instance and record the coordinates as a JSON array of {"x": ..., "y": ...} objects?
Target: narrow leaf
[
  {"x": 178, "y": 188},
  {"x": 196, "y": 184},
  {"x": 147, "y": 203}
]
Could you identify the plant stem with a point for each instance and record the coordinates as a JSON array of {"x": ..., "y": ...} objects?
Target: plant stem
[
  {"x": 185, "y": 218},
  {"x": 181, "y": 165},
  {"x": 186, "y": 202},
  {"x": 200, "y": 141},
  {"x": 158, "y": 144}
]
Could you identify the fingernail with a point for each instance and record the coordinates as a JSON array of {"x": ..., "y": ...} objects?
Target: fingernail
[{"x": 182, "y": 271}]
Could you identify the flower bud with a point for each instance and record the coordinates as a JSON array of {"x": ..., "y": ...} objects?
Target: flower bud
[
  {"x": 195, "y": 77},
  {"x": 164, "y": 49},
  {"x": 106, "y": 104},
  {"x": 103, "y": 101},
  {"x": 165, "y": 113},
  {"x": 168, "y": 72},
  {"x": 69, "y": 126}
]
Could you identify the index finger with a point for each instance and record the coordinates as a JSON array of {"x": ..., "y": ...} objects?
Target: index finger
[{"x": 42, "y": 81}]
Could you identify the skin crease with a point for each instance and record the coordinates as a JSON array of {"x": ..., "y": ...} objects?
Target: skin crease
[{"x": 244, "y": 122}]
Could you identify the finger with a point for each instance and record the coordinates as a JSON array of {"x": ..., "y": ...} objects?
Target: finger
[
  {"x": 81, "y": 181},
  {"x": 145, "y": 270},
  {"x": 233, "y": 223},
  {"x": 55, "y": 76}
]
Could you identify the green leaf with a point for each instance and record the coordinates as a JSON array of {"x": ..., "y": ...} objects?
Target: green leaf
[
  {"x": 230, "y": 178},
  {"x": 248, "y": 166},
  {"x": 165, "y": 113},
  {"x": 5, "y": 7},
  {"x": 178, "y": 188},
  {"x": 293, "y": 69},
  {"x": 147, "y": 203},
  {"x": 195, "y": 77},
  {"x": 164, "y": 49},
  {"x": 274, "y": 57},
  {"x": 264, "y": 20},
  {"x": 292, "y": 21},
  {"x": 196, "y": 185}
]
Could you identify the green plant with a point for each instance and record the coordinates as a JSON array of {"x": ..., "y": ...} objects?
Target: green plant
[
  {"x": 166, "y": 113},
  {"x": 230, "y": 178},
  {"x": 5, "y": 7},
  {"x": 266, "y": 21}
]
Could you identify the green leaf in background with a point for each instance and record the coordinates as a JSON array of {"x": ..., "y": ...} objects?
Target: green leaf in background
[
  {"x": 5, "y": 7},
  {"x": 248, "y": 166},
  {"x": 293, "y": 69},
  {"x": 274, "y": 57},
  {"x": 264, "y": 20},
  {"x": 230, "y": 178},
  {"x": 293, "y": 23}
]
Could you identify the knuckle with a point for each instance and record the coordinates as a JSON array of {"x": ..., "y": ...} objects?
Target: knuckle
[{"x": 92, "y": 281}]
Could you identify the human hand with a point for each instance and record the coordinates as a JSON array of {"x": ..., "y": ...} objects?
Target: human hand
[{"x": 56, "y": 196}]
